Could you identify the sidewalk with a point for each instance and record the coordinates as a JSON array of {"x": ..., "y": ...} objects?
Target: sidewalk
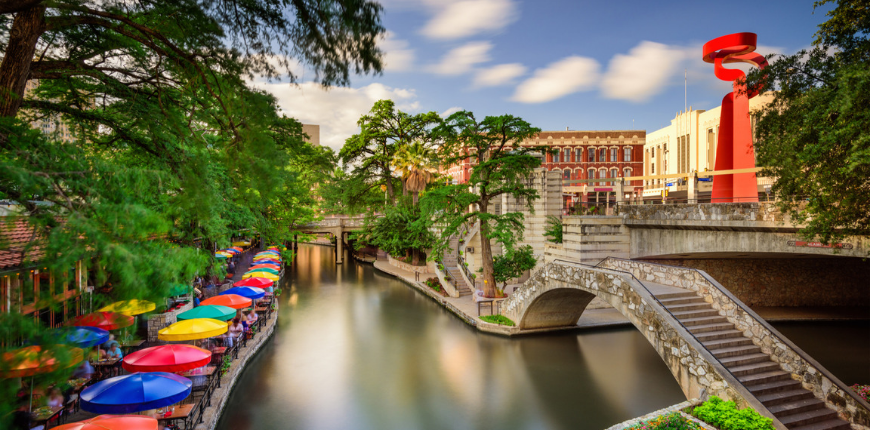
[{"x": 466, "y": 309}]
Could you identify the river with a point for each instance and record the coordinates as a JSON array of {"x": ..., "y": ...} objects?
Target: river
[{"x": 358, "y": 349}]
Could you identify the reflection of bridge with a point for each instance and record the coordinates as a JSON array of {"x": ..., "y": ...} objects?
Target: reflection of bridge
[
  {"x": 712, "y": 343},
  {"x": 336, "y": 226}
]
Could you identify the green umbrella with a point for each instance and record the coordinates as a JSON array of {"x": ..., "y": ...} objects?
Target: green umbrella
[
  {"x": 272, "y": 271},
  {"x": 217, "y": 312}
]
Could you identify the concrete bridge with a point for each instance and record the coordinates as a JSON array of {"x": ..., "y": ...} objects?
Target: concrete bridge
[
  {"x": 712, "y": 343},
  {"x": 336, "y": 226}
]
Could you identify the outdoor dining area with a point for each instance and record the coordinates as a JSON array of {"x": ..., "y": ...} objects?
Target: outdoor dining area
[{"x": 145, "y": 386}]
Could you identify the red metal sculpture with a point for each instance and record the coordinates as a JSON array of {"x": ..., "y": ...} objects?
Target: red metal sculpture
[{"x": 734, "y": 144}]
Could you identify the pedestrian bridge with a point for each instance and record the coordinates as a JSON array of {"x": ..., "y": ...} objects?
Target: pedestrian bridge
[
  {"x": 336, "y": 226},
  {"x": 712, "y": 343}
]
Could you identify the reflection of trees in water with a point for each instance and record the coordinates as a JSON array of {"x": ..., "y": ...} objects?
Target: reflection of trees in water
[{"x": 597, "y": 378}]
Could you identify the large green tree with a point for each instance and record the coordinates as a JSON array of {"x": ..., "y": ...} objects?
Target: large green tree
[
  {"x": 383, "y": 131},
  {"x": 500, "y": 167},
  {"x": 814, "y": 136}
]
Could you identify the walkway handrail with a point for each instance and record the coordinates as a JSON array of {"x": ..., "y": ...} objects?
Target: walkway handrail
[{"x": 761, "y": 321}]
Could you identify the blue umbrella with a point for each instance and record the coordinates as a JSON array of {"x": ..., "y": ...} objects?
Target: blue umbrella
[
  {"x": 82, "y": 337},
  {"x": 252, "y": 293},
  {"x": 135, "y": 392}
]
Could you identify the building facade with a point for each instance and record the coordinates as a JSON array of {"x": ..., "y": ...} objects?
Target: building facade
[{"x": 686, "y": 146}]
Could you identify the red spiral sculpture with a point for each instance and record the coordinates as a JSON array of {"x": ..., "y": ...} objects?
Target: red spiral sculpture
[{"x": 734, "y": 143}]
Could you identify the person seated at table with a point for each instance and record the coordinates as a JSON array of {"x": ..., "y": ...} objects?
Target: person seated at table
[
  {"x": 55, "y": 398},
  {"x": 114, "y": 352},
  {"x": 97, "y": 354},
  {"x": 84, "y": 371},
  {"x": 236, "y": 328},
  {"x": 252, "y": 318},
  {"x": 109, "y": 343}
]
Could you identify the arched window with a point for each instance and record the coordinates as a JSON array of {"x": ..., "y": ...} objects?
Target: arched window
[
  {"x": 591, "y": 175},
  {"x": 626, "y": 154},
  {"x": 626, "y": 172},
  {"x": 591, "y": 152},
  {"x": 578, "y": 155},
  {"x": 602, "y": 173},
  {"x": 613, "y": 152},
  {"x": 567, "y": 154},
  {"x": 602, "y": 155},
  {"x": 556, "y": 155},
  {"x": 614, "y": 173},
  {"x": 566, "y": 174}
]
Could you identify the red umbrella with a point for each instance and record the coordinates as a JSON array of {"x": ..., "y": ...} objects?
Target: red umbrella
[
  {"x": 103, "y": 320},
  {"x": 254, "y": 282},
  {"x": 234, "y": 301},
  {"x": 113, "y": 422},
  {"x": 167, "y": 358}
]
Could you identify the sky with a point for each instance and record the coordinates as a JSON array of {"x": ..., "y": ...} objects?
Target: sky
[{"x": 584, "y": 65}]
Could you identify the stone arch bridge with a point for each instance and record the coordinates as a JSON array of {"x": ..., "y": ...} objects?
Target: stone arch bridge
[
  {"x": 336, "y": 226},
  {"x": 712, "y": 343}
]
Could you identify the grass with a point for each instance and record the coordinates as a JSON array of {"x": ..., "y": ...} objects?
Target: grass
[{"x": 498, "y": 319}]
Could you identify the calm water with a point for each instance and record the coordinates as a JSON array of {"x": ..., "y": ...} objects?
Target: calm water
[{"x": 356, "y": 349}]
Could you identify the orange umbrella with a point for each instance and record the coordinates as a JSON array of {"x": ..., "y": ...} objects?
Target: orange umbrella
[
  {"x": 113, "y": 422},
  {"x": 234, "y": 301},
  {"x": 32, "y": 360}
]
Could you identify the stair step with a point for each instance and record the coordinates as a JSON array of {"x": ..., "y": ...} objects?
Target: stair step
[
  {"x": 834, "y": 424},
  {"x": 724, "y": 343},
  {"x": 692, "y": 322},
  {"x": 676, "y": 295},
  {"x": 690, "y": 307},
  {"x": 754, "y": 368},
  {"x": 723, "y": 334},
  {"x": 764, "y": 377},
  {"x": 774, "y": 387},
  {"x": 695, "y": 314},
  {"x": 796, "y": 407},
  {"x": 739, "y": 360},
  {"x": 808, "y": 417},
  {"x": 682, "y": 301},
  {"x": 780, "y": 397},
  {"x": 734, "y": 351},
  {"x": 706, "y": 328}
]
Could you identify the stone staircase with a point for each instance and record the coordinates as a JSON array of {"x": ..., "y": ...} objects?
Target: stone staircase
[
  {"x": 783, "y": 396},
  {"x": 451, "y": 268}
]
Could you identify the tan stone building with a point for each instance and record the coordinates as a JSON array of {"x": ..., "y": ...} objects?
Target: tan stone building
[{"x": 313, "y": 132}]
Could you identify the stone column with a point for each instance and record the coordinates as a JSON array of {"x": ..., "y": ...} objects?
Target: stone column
[
  {"x": 619, "y": 191},
  {"x": 693, "y": 188},
  {"x": 339, "y": 247}
]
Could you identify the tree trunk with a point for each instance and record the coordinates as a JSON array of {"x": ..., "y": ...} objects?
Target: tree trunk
[
  {"x": 415, "y": 257},
  {"x": 416, "y": 197},
  {"x": 15, "y": 68},
  {"x": 489, "y": 287},
  {"x": 405, "y": 187},
  {"x": 390, "y": 191}
]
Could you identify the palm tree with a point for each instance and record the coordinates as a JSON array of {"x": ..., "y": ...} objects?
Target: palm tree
[{"x": 418, "y": 167}]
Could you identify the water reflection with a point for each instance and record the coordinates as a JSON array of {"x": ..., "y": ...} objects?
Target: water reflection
[{"x": 356, "y": 349}]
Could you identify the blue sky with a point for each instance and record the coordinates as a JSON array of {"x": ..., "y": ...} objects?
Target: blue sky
[{"x": 586, "y": 65}]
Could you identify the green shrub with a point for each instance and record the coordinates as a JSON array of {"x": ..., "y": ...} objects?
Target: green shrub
[
  {"x": 498, "y": 319},
  {"x": 434, "y": 284},
  {"x": 726, "y": 416},
  {"x": 671, "y": 421}
]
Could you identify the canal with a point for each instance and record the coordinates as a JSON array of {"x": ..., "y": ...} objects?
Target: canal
[{"x": 357, "y": 349}]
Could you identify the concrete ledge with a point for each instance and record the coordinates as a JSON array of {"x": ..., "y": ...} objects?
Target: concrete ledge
[{"x": 212, "y": 414}]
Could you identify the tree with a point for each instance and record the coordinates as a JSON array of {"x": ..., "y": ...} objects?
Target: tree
[
  {"x": 814, "y": 136},
  {"x": 383, "y": 132},
  {"x": 553, "y": 232},
  {"x": 513, "y": 264},
  {"x": 401, "y": 229},
  {"x": 501, "y": 167},
  {"x": 418, "y": 166}
]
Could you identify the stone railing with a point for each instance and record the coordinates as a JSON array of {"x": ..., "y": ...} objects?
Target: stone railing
[
  {"x": 407, "y": 266},
  {"x": 697, "y": 371},
  {"x": 763, "y": 212},
  {"x": 824, "y": 385}
]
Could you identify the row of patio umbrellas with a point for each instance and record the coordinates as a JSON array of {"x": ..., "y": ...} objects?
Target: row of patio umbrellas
[{"x": 228, "y": 252}]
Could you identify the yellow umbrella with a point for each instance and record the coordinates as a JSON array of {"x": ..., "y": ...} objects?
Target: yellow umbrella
[
  {"x": 197, "y": 328},
  {"x": 266, "y": 275},
  {"x": 130, "y": 307},
  {"x": 241, "y": 243}
]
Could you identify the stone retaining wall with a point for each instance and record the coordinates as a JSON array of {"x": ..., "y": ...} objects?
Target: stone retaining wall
[
  {"x": 160, "y": 321},
  {"x": 745, "y": 212},
  {"x": 407, "y": 266},
  {"x": 675, "y": 408},
  {"x": 813, "y": 376}
]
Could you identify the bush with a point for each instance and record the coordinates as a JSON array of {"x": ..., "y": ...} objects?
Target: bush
[
  {"x": 671, "y": 421},
  {"x": 725, "y": 415},
  {"x": 434, "y": 284},
  {"x": 863, "y": 391},
  {"x": 498, "y": 319}
]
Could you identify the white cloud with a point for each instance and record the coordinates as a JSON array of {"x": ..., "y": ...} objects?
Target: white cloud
[
  {"x": 450, "y": 111},
  {"x": 502, "y": 74},
  {"x": 464, "y": 18},
  {"x": 397, "y": 56},
  {"x": 336, "y": 109},
  {"x": 559, "y": 79},
  {"x": 463, "y": 59},
  {"x": 642, "y": 73}
]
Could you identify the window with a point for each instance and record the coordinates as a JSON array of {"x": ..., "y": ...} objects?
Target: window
[
  {"x": 566, "y": 174},
  {"x": 602, "y": 174},
  {"x": 556, "y": 156},
  {"x": 578, "y": 156},
  {"x": 567, "y": 155},
  {"x": 626, "y": 154},
  {"x": 613, "y": 155},
  {"x": 602, "y": 155},
  {"x": 614, "y": 173},
  {"x": 591, "y": 174},
  {"x": 591, "y": 152}
]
